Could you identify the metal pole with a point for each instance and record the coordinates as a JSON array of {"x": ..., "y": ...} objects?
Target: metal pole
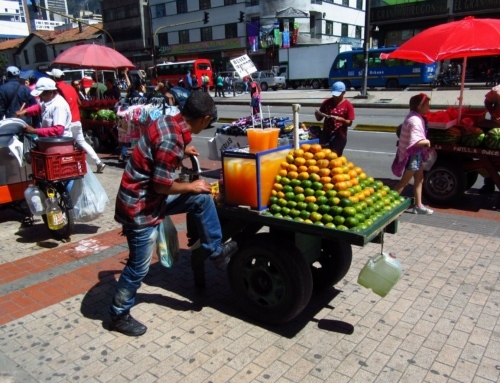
[
  {"x": 366, "y": 45},
  {"x": 296, "y": 141}
]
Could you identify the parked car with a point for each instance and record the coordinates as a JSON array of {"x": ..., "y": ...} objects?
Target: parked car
[{"x": 267, "y": 79}]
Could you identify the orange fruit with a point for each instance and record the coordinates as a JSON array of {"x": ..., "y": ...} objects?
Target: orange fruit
[
  {"x": 349, "y": 184},
  {"x": 340, "y": 185},
  {"x": 331, "y": 156},
  {"x": 305, "y": 147},
  {"x": 336, "y": 163},
  {"x": 325, "y": 180},
  {"x": 344, "y": 194},
  {"x": 351, "y": 165},
  {"x": 366, "y": 192},
  {"x": 343, "y": 159},
  {"x": 278, "y": 187},
  {"x": 319, "y": 155},
  {"x": 361, "y": 196},
  {"x": 311, "y": 162},
  {"x": 299, "y": 161},
  {"x": 290, "y": 159},
  {"x": 323, "y": 163},
  {"x": 324, "y": 172},
  {"x": 304, "y": 175},
  {"x": 314, "y": 177},
  {"x": 337, "y": 171},
  {"x": 372, "y": 190},
  {"x": 383, "y": 192},
  {"x": 310, "y": 199},
  {"x": 315, "y": 148},
  {"x": 346, "y": 177},
  {"x": 302, "y": 168},
  {"x": 354, "y": 199},
  {"x": 298, "y": 153},
  {"x": 352, "y": 173},
  {"x": 283, "y": 172},
  {"x": 293, "y": 175},
  {"x": 328, "y": 186},
  {"x": 284, "y": 165},
  {"x": 337, "y": 178},
  {"x": 292, "y": 168},
  {"x": 308, "y": 156},
  {"x": 345, "y": 169},
  {"x": 358, "y": 170},
  {"x": 313, "y": 169},
  {"x": 355, "y": 181},
  {"x": 362, "y": 176},
  {"x": 280, "y": 194},
  {"x": 273, "y": 192},
  {"x": 326, "y": 150}
]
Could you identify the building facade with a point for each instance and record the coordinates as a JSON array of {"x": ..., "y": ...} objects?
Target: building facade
[
  {"x": 128, "y": 23},
  {"x": 12, "y": 20},
  {"x": 395, "y": 22},
  {"x": 254, "y": 27}
]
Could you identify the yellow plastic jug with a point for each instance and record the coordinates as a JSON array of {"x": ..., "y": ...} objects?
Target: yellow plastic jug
[{"x": 380, "y": 273}]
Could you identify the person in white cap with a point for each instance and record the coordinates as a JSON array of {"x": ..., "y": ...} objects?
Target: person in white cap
[
  {"x": 53, "y": 108},
  {"x": 71, "y": 97},
  {"x": 13, "y": 95},
  {"x": 339, "y": 115}
]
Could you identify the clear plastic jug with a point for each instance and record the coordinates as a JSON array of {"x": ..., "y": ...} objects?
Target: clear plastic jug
[
  {"x": 55, "y": 217},
  {"x": 380, "y": 273},
  {"x": 35, "y": 200}
]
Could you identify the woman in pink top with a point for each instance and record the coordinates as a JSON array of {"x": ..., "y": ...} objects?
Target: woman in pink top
[{"x": 412, "y": 151}]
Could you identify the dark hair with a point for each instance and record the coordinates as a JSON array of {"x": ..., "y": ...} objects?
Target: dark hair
[
  {"x": 198, "y": 105},
  {"x": 32, "y": 80},
  {"x": 417, "y": 101}
]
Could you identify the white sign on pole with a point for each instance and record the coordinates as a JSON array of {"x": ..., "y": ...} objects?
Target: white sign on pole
[{"x": 243, "y": 65}]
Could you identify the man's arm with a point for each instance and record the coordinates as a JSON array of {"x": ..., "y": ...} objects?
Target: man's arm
[{"x": 196, "y": 187}]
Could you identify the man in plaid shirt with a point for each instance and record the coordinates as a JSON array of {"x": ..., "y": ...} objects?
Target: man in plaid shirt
[{"x": 148, "y": 192}]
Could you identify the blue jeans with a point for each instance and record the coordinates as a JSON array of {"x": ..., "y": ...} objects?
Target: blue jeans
[{"x": 142, "y": 242}]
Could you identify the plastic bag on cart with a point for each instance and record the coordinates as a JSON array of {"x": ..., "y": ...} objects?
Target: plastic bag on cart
[
  {"x": 89, "y": 198},
  {"x": 167, "y": 243}
]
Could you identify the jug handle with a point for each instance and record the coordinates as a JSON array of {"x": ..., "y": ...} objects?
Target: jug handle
[{"x": 378, "y": 258}]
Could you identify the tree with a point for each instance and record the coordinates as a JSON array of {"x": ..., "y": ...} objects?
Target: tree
[{"x": 4, "y": 63}]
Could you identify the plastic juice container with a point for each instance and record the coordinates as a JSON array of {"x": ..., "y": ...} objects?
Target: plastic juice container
[
  {"x": 380, "y": 273},
  {"x": 258, "y": 140},
  {"x": 273, "y": 138}
]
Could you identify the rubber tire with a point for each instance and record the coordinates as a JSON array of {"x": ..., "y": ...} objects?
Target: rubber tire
[
  {"x": 334, "y": 261},
  {"x": 471, "y": 179},
  {"x": 347, "y": 84},
  {"x": 67, "y": 230},
  {"x": 264, "y": 86},
  {"x": 392, "y": 83},
  {"x": 445, "y": 182},
  {"x": 434, "y": 84},
  {"x": 280, "y": 259},
  {"x": 97, "y": 144},
  {"x": 315, "y": 84},
  {"x": 239, "y": 88},
  {"x": 89, "y": 138}
]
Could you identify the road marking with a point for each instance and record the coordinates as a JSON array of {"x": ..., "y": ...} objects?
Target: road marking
[{"x": 368, "y": 151}]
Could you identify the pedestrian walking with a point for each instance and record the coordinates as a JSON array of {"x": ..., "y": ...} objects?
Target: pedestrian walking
[
  {"x": 189, "y": 81},
  {"x": 219, "y": 86},
  {"x": 229, "y": 83},
  {"x": 13, "y": 95},
  {"x": 194, "y": 84},
  {"x": 255, "y": 98},
  {"x": 206, "y": 82}
]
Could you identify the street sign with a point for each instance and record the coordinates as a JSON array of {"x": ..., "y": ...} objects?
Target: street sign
[{"x": 243, "y": 65}]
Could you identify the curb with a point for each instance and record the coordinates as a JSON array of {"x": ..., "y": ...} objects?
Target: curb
[{"x": 376, "y": 128}]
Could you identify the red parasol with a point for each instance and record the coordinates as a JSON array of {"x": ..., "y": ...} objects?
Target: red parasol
[
  {"x": 469, "y": 37},
  {"x": 93, "y": 56}
]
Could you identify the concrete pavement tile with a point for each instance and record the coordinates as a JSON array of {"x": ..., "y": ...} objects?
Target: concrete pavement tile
[
  {"x": 425, "y": 357},
  {"x": 389, "y": 345},
  {"x": 311, "y": 379},
  {"x": 363, "y": 376},
  {"x": 217, "y": 361},
  {"x": 240, "y": 344},
  {"x": 325, "y": 367},
  {"x": 423, "y": 328},
  {"x": 138, "y": 369},
  {"x": 464, "y": 371},
  {"x": 438, "y": 373},
  {"x": 299, "y": 370},
  {"x": 174, "y": 376},
  {"x": 274, "y": 372},
  {"x": 336, "y": 377},
  {"x": 370, "y": 319},
  {"x": 458, "y": 339},
  {"x": 242, "y": 359},
  {"x": 489, "y": 369},
  {"x": 472, "y": 352},
  {"x": 285, "y": 343},
  {"x": 247, "y": 374},
  {"x": 401, "y": 360},
  {"x": 480, "y": 337},
  {"x": 82, "y": 373},
  {"x": 380, "y": 331},
  {"x": 167, "y": 350},
  {"x": 376, "y": 362},
  {"x": 264, "y": 341},
  {"x": 433, "y": 314},
  {"x": 413, "y": 374},
  {"x": 350, "y": 365},
  {"x": 143, "y": 351},
  {"x": 392, "y": 318},
  {"x": 293, "y": 355},
  {"x": 365, "y": 348},
  {"x": 435, "y": 341},
  {"x": 401, "y": 330},
  {"x": 478, "y": 379},
  {"x": 412, "y": 342},
  {"x": 268, "y": 356},
  {"x": 465, "y": 324},
  {"x": 343, "y": 349},
  {"x": 492, "y": 349},
  {"x": 449, "y": 355}
]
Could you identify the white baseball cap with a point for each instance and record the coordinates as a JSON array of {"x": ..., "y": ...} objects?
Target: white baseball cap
[
  {"x": 56, "y": 73},
  {"x": 42, "y": 85},
  {"x": 14, "y": 70}
]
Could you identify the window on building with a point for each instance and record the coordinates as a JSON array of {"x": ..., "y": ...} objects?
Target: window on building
[
  {"x": 231, "y": 30},
  {"x": 182, "y": 6},
  {"x": 359, "y": 4},
  {"x": 125, "y": 34},
  {"x": 121, "y": 13},
  {"x": 41, "y": 52},
  {"x": 26, "y": 57},
  {"x": 229, "y": 2},
  {"x": 163, "y": 39},
  {"x": 160, "y": 10},
  {"x": 254, "y": 2},
  {"x": 357, "y": 33},
  {"x": 205, "y": 4},
  {"x": 184, "y": 36},
  {"x": 344, "y": 30},
  {"x": 329, "y": 27},
  {"x": 345, "y": 3},
  {"x": 206, "y": 34}
]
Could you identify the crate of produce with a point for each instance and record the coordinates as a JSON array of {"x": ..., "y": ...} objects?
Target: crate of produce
[
  {"x": 53, "y": 167},
  {"x": 476, "y": 115},
  {"x": 441, "y": 125}
]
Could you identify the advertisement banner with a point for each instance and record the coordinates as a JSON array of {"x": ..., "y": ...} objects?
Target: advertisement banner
[{"x": 243, "y": 65}]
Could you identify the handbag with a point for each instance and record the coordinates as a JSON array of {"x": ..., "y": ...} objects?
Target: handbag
[{"x": 167, "y": 243}]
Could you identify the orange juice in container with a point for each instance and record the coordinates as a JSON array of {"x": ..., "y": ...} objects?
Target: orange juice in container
[{"x": 260, "y": 140}]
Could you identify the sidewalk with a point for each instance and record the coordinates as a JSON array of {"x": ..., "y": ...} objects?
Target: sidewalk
[{"x": 440, "y": 323}]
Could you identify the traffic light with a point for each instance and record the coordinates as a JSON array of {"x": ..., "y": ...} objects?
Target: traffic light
[
  {"x": 205, "y": 19},
  {"x": 34, "y": 6},
  {"x": 242, "y": 16}
]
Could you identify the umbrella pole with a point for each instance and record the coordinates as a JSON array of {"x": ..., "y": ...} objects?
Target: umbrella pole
[{"x": 462, "y": 84}]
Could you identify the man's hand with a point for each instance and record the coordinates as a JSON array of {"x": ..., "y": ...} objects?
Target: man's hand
[
  {"x": 201, "y": 186},
  {"x": 191, "y": 150},
  {"x": 29, "y": 129},
  {"x": 20, "y": 113}
]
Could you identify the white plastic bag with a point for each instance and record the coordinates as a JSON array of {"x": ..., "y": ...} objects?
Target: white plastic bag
[
  {"x": 429, "y": 162},
  {"x": 89, "y": 197},
  {"x": 167, "y": 243}
]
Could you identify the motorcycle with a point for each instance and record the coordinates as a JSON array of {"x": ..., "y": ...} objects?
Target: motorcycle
[{"x": 446, "y": 79}]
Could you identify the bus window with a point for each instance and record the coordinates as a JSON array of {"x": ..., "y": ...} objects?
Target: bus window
[
  {"x": 358, "y": 60},
  {"x": 374, "y": 60},
  {"x": 408, "y": 63},
  {"x": 203, "y": 67},
  {"x": 341, "y": 64},
  {"x": 392, "y": 62}
]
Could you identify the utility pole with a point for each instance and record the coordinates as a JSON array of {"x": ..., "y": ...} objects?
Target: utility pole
[
  {"x": 366, "y": 46},
  {"x": 27, "y": 15}
]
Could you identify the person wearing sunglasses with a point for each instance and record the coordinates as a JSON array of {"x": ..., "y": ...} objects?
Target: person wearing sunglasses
[
  {"x": 412, "y": 151},
  {"x": 79, "y": 90}
]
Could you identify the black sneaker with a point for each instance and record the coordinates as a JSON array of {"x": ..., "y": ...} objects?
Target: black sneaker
[
  {"x": 127, "y": 325},
  {"x": 228, "y": 250}
]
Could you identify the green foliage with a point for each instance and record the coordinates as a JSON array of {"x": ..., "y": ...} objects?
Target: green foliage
[{"x": 4, "y": 63}]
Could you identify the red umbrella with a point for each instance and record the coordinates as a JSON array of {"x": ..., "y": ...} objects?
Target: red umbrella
[
  {"x": 93, "y": 56},
  {"x": 469, "y": 37}
]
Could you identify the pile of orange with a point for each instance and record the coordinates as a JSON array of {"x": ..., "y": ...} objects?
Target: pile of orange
[{"x": 314, "y": 185}]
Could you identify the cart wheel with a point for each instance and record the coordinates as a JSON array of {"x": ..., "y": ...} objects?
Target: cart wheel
[
  {"x": 270, "y": 279},
  {"x": 445, "y": 182},
  {"x": 67, "y": 230},
  {"x": 332, "y": 265},
  {"x": 471, "y": 179}
]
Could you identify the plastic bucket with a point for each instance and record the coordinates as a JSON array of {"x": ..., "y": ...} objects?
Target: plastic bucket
[{"x": 55, "y": 145}]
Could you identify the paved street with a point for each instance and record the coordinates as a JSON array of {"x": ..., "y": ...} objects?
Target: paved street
[{"x": 439, "y": 324}]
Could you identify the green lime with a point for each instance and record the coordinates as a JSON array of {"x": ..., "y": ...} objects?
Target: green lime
[
  {"x": 298, "y": 219},
  {"x": 268, "y": 214},
  {"x": 287, "y": 189},
  {"x": 320, "y": 193},
  {"x": 274, "y": 208},
  {"x": 291, "y": 204},
  {"x": 355, "y": 229},
  {"x": 336, "y": 210},
  {"x": 315, "y": 216},
  {"x": 298, "y": 190},
  {"x": 394, "y": 193},
  {"x": 330, "y": 225},
  {"x": 345, "y": 202},
  {"x": 285, "y": 210},
  {"x": 362, "y": 226},
  {"x": 368, "y": 222},
  {"x": 294, "y": 213},
  {"x": 351, "y": 190},
  {"x": 327, "y": 218},
  {"x": 301, "y": 205},
  {"x": 290, "y": 196},
  {"x": 338, "y": 220},
  {"x": 324, "y": 209},
  {"x": 284, "y": 181},
  {"x": 312, "y": 207},
  {"x": 317, "y": 185},
  {"x": 308, "y": 192},
  {"x": 369, "y": 201},
  {"x": 360, "y": 217},
  {"x": 294, "y": 182},
  {"x": 273, "y": 200},
  {"x": 358, "y": 188},
  {"x": 277, "y": 179},
  {"x": 305, "y": 184},
  {"x": 288, "y": 217},
  {"x": 366, "y": 213},
  {"x": 305, "y": 214},
  {"x": 386, "y": 188},
  {"x": 322, "y": 200},
  {"x": 331, "y": 193},
  {"x": 319, "y": 223},
  {"x": 363, "y": 204},
  {"x": 342, "y": 227},
  {"x": 351, "y": 222},
  {"x": 278, "y": 215},
  {"x": 282, "y": 202},
  {"x": 333, "y": 201},
  {"x": 349, "y": 212},
  {"x": 300, "y": 197}
]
